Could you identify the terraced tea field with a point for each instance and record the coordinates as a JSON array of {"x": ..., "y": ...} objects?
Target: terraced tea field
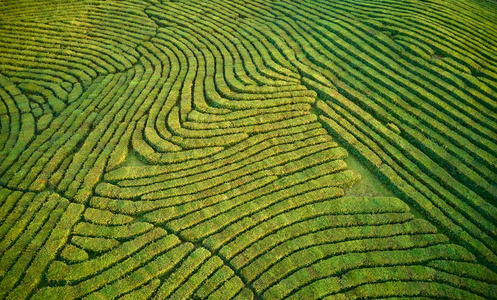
[{"x": 248, "y": 149}]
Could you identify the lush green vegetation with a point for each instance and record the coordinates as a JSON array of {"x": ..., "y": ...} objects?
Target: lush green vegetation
[{"x": 318, "y": 149}]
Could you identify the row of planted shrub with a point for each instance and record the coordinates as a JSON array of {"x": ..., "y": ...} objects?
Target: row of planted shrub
[
  {"x": 34, "y": 228},
  {"x": 415, "y": 154}
]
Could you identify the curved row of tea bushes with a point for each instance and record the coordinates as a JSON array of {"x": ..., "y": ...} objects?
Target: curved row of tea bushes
[
  {"x": 209, "y": 220},
  {"x": 286, "y": 224},
  {"x": 283, "y": 144},
  {"x": 272, "y": 142},
  {"x": 65, "y": 72},
  {"x": 94, "y": 244},
  {"x": 482, "y": 163},
  {"x": 392, "y": 281},
  {"x": 72, "y": 254},
  {"x": 18, "y": 126},
  {"x": 252, "y": 144},
  {"x": 435, "y": 207},
  {"x": 464, "y": 173},
  {"x": 153, "y": 150},
  {"x": 33, "y": 229},
  {"x": 201, "y": 275},
  {"x": 150, "y": 262},
  {"x": 257, "y": 66},
  {"x": 363, "y": 69},
  {"x": 266, "y": 159}
]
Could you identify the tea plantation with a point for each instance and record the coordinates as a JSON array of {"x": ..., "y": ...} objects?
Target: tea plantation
[{"x": 320, "y": 149}]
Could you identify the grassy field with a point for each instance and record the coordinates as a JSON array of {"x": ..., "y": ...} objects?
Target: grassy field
[{"x": 248, "y": 149}]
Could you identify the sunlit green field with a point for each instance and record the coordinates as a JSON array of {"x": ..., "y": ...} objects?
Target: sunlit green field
[{"x": 324, "y": 149}]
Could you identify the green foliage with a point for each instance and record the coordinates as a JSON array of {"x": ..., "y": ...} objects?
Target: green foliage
[
  {"x": 72, "y": 254},
  {"x": 197, "y": 149},
  {"x": 94, "y": 244},
  {"x": 105, "y": 217}
]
